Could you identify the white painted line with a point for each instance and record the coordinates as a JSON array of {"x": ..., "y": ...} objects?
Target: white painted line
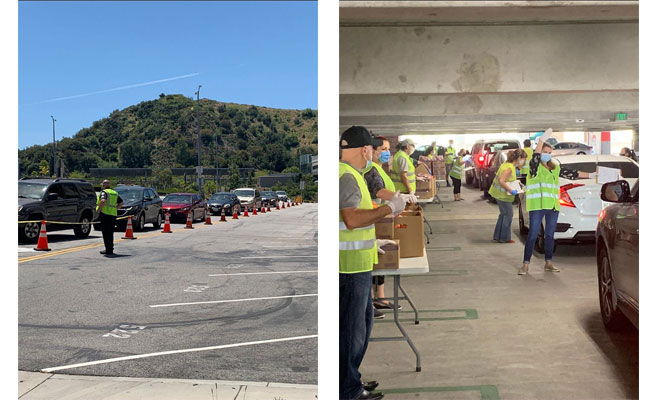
[
  {"x": 288, "y": 247},
  {"x": 281, "y": 257},
  {"x": 26, "y": 250},
  {"x": 163, "y": 353},
  {"x": 267, "y": 273},
  {"x": 232, "y": 301}
]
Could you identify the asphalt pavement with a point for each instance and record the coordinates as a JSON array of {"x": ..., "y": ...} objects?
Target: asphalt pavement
[{"x": 235, "y": 301}]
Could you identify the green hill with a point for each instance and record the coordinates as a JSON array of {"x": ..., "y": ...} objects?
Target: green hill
[{"x": 162, "y": 133}]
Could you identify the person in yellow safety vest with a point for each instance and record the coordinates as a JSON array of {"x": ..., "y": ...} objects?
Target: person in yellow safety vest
[
  {"x": 542, "y": 199},
  {"x": 107, "y": 204},
  {"x": 525, "y": 168},
  {"x": 449, "y": 155},
  {"x": 358, "y": 251},
  {"x": 505, "y": 195},
  {"x": 381, "y": 187},
  {"x": 402, "y": 168},
  {"x": 456, "y": 173}
]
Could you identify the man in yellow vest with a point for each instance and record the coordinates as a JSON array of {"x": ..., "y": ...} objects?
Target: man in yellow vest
[
  {"x": 529, "y": 154},
  {"x": 358, "y": 251},
  {"x": 402, "y": 168},
  {"x": 108, "y": 203},
  {"x": 449, "y": 155}
]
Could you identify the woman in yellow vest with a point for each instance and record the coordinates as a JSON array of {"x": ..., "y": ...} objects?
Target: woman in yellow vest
[
  {"x": 542, "y": 193},
  {"x": 525, "y": 169},
  {"x": 449, "y": 156},
  {"x": 505, "y": 195},
  {"x": 456, "y": 172},
  {"x": 402, "y": 168},
  {"x": 381, "y": 187}
]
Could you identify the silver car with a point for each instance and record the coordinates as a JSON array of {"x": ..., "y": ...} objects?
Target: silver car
[{"x": 571, "y": 148}]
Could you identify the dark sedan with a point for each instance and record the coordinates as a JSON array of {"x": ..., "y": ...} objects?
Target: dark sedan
[
  {"x": 224, "y": 201},
  {"x": 269, "y": 197},
  {"x": 178, "y": 205},
  {"x": 142, "y": 204},
  {"x": 617, "y": 255}
]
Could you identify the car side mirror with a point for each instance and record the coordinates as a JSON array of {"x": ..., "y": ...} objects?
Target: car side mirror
[
  {"x": 615, "y": 192},
  {"x": 52, "y": 196}
]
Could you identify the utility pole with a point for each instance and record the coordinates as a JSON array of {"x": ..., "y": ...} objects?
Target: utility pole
[
  {"x": 54, "y": 149},
  {"x": 217, "y": 182},
  {"x": 198, "y": 144}
]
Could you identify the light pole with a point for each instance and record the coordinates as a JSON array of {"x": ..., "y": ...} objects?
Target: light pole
[
  {"x": 54, "y": 149},
  {"x": 198, "y": 144}
]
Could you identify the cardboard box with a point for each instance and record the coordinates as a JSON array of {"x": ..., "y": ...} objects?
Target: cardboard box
[
  {"x": 408, "y": 229},
  {"x": 424, "y": 186},
  {"x": 384, "y": 228},
  {"x": 413, "y": 207},
  {"x": 422, "y": 169},
  {"x": 427, "y": 191},
  {"x": 391, "y": 257}
]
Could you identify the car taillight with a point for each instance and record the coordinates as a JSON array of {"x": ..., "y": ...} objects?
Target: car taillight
[
  {"x": 564, "y": 198},
  {"x": 481, "y": 158}
]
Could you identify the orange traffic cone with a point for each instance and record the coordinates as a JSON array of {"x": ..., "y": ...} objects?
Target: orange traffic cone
[
  {"x": 262, "y": 209},
  {"x": 277, "y": 206},
  {"x": 235, "y": 214},
  {"x": 167, "y": 228},
  {"x": 42, "y": 243},
  {"x": 188, "y": 223},
  {"x": 208, "y": 218},
  {"x": 246, "y": 214},
  {"x": 129, "y": 230},
  {"x": 223, "y": 218},
  {"x": 254, "y": 211},
  {"x": 269, "y": 208},
  {"x": 283, "y": 205}
]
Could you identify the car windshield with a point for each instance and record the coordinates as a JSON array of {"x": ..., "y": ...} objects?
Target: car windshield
[
  {"x": 493, "y": 147},
  {"x": 31, "y": 190},
  {"x": 221, "y": 197},
  {"x": 130, "y": 194},
  {"x": 244, "y": 193},
  {"x": 178, "y": 198},
  {"x": 629, "y": 169},
  {"x": 281, "y": 192},
  {"x": 271, "y": 194}
]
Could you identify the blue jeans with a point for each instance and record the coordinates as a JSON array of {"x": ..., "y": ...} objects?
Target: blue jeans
[
  {"x": 502, "y": 229},
  {"x": 535, "y": 218},
  {"x": 355, "y": 324}
]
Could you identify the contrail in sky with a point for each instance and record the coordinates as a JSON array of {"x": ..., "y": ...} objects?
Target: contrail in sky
[{"x": 118, "y": 88}]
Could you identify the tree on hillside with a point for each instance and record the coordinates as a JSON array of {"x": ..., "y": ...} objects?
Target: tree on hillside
[
  {"x": 44, "y": 168},
  {"x": 133, "y": 154},
  {"x": 234, "y": 180}
]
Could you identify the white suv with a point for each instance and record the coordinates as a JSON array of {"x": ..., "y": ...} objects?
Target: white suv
[
  {"x": 579, "y": 199},
  {"x": 249, "y": 198}
]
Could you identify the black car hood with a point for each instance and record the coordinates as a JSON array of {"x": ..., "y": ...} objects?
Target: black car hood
[
  {"x": 23, "y": 202},
  {"x": 131, "y": 203}
]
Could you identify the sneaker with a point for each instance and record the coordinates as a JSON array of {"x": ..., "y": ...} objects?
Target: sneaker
[
  {"x": 369, "y": 386},
  {"x": 550, "y": 267},
  {"x": 106, "y": 253},
  {"x": 377, "y": 314},
  {"x": 524, "y": 270},
  {"x": 384, "y": 305}
]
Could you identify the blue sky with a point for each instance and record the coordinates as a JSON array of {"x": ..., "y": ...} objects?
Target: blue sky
[{"x": 261, "y": 53}]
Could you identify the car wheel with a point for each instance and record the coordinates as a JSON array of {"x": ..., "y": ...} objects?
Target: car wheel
[
  {"x": 158, "y": 221},
  {"x": 581, "y": 153},
  {"x": 83, "y": 230},
  {"x": 612, "y": 317},
  {"x": 139, "y": 227},
  {"x": 523, "y": 230},
  {"x": 30, "y": 232}
]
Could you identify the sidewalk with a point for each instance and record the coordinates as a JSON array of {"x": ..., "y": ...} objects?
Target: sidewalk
[{"x": 38, "y": 386}]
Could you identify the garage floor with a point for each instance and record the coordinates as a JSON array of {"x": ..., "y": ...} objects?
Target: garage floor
[{"x": 487, "y": 333}]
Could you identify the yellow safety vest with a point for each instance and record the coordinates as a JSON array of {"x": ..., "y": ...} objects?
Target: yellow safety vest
[
  {"x": 110, "y": 206},
  {"x": 449, "y": 155},
  {"x": 388, "y": 183},
  {"x": 542, "y": 191},
  {"x": 456, "y": 170},
  {"x": 496, "y": 190},
  {"x": 395, "y": 176},
  {"x": 529, "y": 155},
  {"x": 357, "y": 247}
]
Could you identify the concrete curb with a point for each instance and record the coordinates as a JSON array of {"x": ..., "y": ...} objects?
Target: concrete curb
[{"x": 39, "y": 385}]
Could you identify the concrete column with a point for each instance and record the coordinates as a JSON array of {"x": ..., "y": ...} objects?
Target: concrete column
[{"x": 605, "y": 146}]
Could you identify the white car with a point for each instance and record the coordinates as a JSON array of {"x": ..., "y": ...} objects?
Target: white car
[
  {"x": 570, "y": 148},
  {"x": 579, "y": 199},
  {"x": 249, "y": 198}
]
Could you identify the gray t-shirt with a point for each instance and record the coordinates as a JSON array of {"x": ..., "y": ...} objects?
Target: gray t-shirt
[
  {"x": 350, "y": 196},
  {"x": 402, "y": 164}
]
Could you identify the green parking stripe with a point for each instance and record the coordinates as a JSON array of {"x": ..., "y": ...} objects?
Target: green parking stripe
[
  {"x": 469, "y": 314},
  {"x": 488, "y": 392},
  {"x": 450, "y": 248}
]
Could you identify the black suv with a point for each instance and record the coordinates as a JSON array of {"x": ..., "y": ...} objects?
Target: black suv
[
  {"x": 56, "y": 200},
  {"x": 142, "y": 204},
  {"x": 482, "y": 155}
]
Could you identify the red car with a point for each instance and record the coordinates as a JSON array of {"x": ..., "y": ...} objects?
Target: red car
[{"x": 179, "y": 204}]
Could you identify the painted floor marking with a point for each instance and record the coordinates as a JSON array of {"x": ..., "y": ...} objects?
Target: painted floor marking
[
  {"x": 233, "y": 301},
  {"x": 488, "y": 392},
  {"x": 26, "y": 250},
  {"x": 468, "y": 314},
  {"x": 267, "y": 273},
  {"x": 163, "y": 353},
  {"x": 281, "y": 257}
]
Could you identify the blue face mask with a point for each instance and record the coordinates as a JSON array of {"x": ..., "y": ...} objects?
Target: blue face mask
[
  {"x": 368, "y": 163},
  {"x": 384, "y": 156},
  {"x": 545, "y": 157}
]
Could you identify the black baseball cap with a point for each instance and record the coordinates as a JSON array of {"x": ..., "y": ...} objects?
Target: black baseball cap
[{"x": 356, "y": 136}]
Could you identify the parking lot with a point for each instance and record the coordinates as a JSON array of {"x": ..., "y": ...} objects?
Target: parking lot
[
  {"x": 236, "y": 300},
  {"x": 487, "y": 333}
]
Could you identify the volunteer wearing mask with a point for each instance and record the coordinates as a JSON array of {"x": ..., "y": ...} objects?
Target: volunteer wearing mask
[
  {"x": 456, "y": 173},
  {"x": 358, "y": 251},
  {"x": 381, "y": 188},
  {"x": 529, "y": 152},
  {"x": 505, "y": 195},
  {"x": 449, "y": 155},
  {"x": 542, "y": 192},
  {"x": 626, "y": 152},
  {"x": 403, "y": 168}
]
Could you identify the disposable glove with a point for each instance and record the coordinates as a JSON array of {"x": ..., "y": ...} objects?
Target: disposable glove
[
  {"x": 514, "y": 192},
  {"x": 383, "y": 242},
  {"x": 397, "y": 204},
  {"x": 546, "y": 135},
  {"x": 409, "y": 198}
]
